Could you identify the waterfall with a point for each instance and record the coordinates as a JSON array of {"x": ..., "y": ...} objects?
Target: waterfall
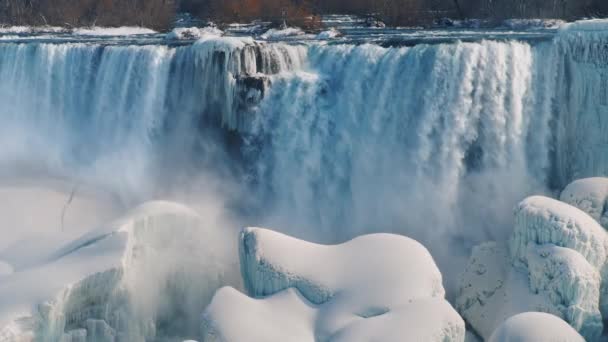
[{"x": 324, "y": 141}]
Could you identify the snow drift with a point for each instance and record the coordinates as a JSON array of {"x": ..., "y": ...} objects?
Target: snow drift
[{"x": 375, "y": 286}]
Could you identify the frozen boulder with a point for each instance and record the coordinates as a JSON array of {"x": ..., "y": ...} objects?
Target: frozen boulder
[
  {"x": 535, "y": 327},
  {"x": 555, "y": 280},
  {"x": 542, "y": 220},
  {"x": 373, "y": 287},
  {"x": 589, "y": 195}
]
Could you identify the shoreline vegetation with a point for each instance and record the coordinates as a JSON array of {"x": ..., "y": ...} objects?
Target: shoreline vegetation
[{"x": 160, "y": 14}]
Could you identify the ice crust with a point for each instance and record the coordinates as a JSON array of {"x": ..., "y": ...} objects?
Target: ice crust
[
  {"x": 347, "y": 292},
  {"x": 535, "y": 327},
  {"x": 554, "y": 263}
]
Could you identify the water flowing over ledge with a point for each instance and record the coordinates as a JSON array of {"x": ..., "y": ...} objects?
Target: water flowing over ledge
[{"x": 438, "y": 142}]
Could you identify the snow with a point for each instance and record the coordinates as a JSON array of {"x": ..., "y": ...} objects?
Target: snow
[
  {"x": 282, "y": 33},
  {"x": 329, "y": 34},
  {"x": 181, "y": 33},
  {"x": 534, "y": 327},
  {"x": 554, "y": 264},
  {"x": 113, "y": 31},
  {"x": 519, "y": 24},
  {"x": 116, "y": 273},
  {"x": 589, "y": 195},
  {"x": 373, "y": 287}
]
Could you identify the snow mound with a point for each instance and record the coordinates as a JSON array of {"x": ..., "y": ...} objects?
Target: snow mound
[
  {"x": 234, "y": 317},
  {"x": 186, "y": 33},
  {"x": 373, "y": 287},
  {"x": 282, "y": 33},
  {"x": 113, "y": 31},
  {"x": 535, "y": 327},
  {"x": 554, "y": 265},
  {"x": 272, "y": 262},
  {"x": 329, "y": 34},
  {"x": 589, "y": 195},
  {"x": 159, "y": 264},
  {"x": 542, "y": 220}
]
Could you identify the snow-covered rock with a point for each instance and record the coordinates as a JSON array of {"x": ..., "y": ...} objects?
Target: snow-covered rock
[
  {"x": 380, "y": 287},
  {"x": 182, "y": 33},
  {"x": 272, "y": 262},
  {"x": 589, "y": 195},
  {"x": 535, "y": 327},
  {"x": 160, "y": 263},
  {"x": 554, "y": 264}
]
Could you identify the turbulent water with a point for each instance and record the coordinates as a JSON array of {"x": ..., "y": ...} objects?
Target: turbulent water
[{"x": 324, "y": 141}]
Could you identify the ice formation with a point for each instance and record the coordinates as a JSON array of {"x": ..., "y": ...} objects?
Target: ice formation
[
  {"x": 376, "y": 286},
  {"x": 589, "y": 195},
  {"x": 193, "y": 33},
  {"x": 535, "y": 327},
  {"x": 146, "y": 275},
  {"x": 554, "y": 264}
]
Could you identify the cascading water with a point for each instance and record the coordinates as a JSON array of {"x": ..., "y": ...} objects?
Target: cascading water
[{"x": 324, "y": 141}]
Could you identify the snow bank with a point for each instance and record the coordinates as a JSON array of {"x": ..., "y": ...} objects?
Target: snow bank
[
  {"x": 113, "y": 31},
  {"x": 182, "y": 33},
  {"x": 373, "y": 287},
  {"x": 159, "y": 263},
  {"x": 589, "y": 195},
  {"x": 32, "y": 29},
  {"x": 535, "y": 327},
  {"x": 554, "y": 265},
  {"x": 282, "y": 33}
]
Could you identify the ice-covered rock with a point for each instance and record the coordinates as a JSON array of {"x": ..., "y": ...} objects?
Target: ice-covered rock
[
  {"x": 373, "y": 287},
  {"x": 535, "y": 327},
  {"x": 542, "y": 220},
  {"x": 554, "y": 264},
  {"x": 155, "y": 268},
  {"x": 589, "y": 195}
]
